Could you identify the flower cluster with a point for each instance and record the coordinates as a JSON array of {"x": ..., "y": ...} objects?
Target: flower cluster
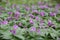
[{"x": 30, "y": 22}]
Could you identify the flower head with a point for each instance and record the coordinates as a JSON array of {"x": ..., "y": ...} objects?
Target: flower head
[
  {"x": 27, "y": 8},
  {"x": 38, "y": 31},
  {"x": 35, "y": 11},
  {"x": 10, "y": 13},
  {"x": 37, "y": 18},
  {"x": 50, "y": 23},
  {"x": 42, "y": 14},
  {"x": 15, "y": 26},
  {"x": 31, "y": 21},
  {"x": 13, "y": 32},
  {"x": 4, "y": 22},
  {"x": 40, "y": 3},
  {"x": 16, "y": 15},
  {"x": 9, "y": 18},
  {"x": 43, "y": 6},
  {"x": 32, "y": 16},
  {"x": 41, "y": 22},
  {"x": 52, "y": 14},
  {"x": 18, "y": 8},
  {"x": 33, "y": 29},
  {"x": 57, "y": 6},
  {"x": 1, "y": 8},
  {"x": 20, "y": 24},
  {"x": 34, "y": 7},
  {"x": 0, "y": 13}
]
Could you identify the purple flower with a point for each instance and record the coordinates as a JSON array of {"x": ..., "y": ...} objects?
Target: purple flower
[
  {"x": 18, "y": 8},
  {"x": 42, "y": 14},
  {"x": 46, "y": 6},
  {"x": 9, "y": 18},
  {"x": 16, "y": 15},
  {"x": 0, "y": 13},
  {"x": 33, "y": 7},
  {"x": 40, "y": 3},
  {"x": 27, "y": 8},
  {"x": 41, "y": 22},
  {"x": 57, "y": 6},
  {"x": 58, "y": 19},
  {"x": 10, "y": 13},
  {"x": 20, "y": 24},
  {"x": 4, "y": 22},
  {"x": 31, "y": 21},
  {"x": 50, "y": 23},
  {"x": 38, "y": 31},
  {"x": 52, "y": 14},
  {"x": 35, "y": 11},
  {"x": 1, "y": 8},
  {"x": 43, "y": 6},
  {"x": 32, "y": 16},
  {"x": 57, "y": 11},
  {"x": 33, "y": 29},
  {"x": 37, "y": 18},
  {"x": 15, "y": 26},
  {"x": 13, "y": 32},
  {"x": 0, "y": 22}
]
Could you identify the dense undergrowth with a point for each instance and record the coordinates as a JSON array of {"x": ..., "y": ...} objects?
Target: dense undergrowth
[{"x": 29, "y": 20}]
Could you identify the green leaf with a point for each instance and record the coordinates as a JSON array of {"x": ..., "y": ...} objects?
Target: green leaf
[
  {"x": 6, "y": 35},
  {"x": 53, "y": 35}
]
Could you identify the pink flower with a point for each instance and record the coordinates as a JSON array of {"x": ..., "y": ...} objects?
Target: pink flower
[
  {"x": 31, "y": 21},
  {"x": 50, "y": 23},
  {"x": 40, "y": 3},
  {"x": 9, "y": 18},
  {"x": 41, "y": 22},
  {"x": 0, "y": 13},
  {"x": 18, "y": 8},
  {"x": 38, "y": 31},
  {"x": 43, "y": 6},
  {"x": 10, "y": 13},
  {"x": 13, "y": 32},
  {"x": 42, "y": 14},
  {"x": 33, "y": 7},
  {"x": 0, "y": 22},
  {"x": 15, "y": 26},
  {"x": 37, "y": 18},
  {"x": 35, "y": 11},
  {"x": 4, "y": 22},
  {"x": 57, "y": 6},
  {"x": 20, "y": 24},
  {"x": 16, "y": 15},
  {"x": 27, "y": 8},
  {"x": 33, "y": 29},
  {"x": 52, "y": 14},
  {"x": 46, "y": 6},
  {"x": 1, "y": 8},
  {"x": 32, "y": 16}
]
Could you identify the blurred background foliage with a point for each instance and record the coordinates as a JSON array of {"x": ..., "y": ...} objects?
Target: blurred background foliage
[{"x": 29, "y": 2}]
